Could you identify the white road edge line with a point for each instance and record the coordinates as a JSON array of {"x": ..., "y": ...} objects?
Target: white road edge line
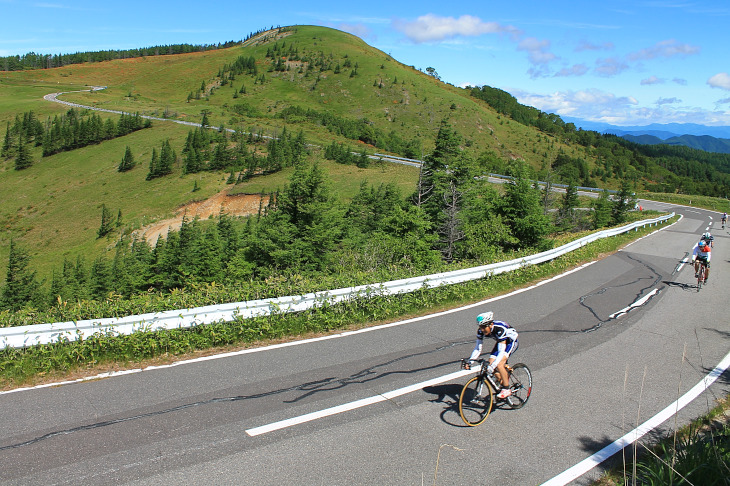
[
  {"x": 589, "y": 463},
  {"x": 112, "y": 374},
  {"x": 346, "y": 407}
]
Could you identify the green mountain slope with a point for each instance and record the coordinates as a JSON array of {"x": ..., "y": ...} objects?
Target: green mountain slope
[
  {"x": 54, "y": 207},
  {"x": 328, "y": 84}
]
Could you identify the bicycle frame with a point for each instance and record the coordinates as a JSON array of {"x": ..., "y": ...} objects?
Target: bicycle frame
[{"x": 490, "y": 378}]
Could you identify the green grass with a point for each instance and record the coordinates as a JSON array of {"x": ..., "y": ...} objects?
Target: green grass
[{"x": 706, "y": 202}]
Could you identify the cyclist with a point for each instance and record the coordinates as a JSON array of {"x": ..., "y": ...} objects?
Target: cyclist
[
  {"x": 709, "y": 239},
  {"x": 702, "y": 253},
  {"x": 506, "y": 344},
  {"x": 724, "y": 219}
]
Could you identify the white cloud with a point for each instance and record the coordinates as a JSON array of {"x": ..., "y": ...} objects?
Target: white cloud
[
  {"x": 610, "y": 66},
  {"x": 667, "y": 48},
  {"x": 537, "y": 50},
  {"x": 680, "y": 81},
  {"x": 720, "y": 80},
  {"x": 432, "y": 28},
  {"x": 574, "y": 70},
  {"x": 600, "y": 106},
  {"x": 668, "y": 101},
  {"x": 652, "y": 80},
  {"x": 589, "y": 46}
]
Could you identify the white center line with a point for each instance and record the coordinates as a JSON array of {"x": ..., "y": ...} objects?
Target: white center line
[{"x": 346, "y": 407}]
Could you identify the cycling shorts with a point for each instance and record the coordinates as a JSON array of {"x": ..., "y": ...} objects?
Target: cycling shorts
[{"x": 507, "y": 347}]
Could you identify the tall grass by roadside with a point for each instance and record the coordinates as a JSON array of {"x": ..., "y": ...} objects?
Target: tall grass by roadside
[
  {"x": 24, "y": 366},
  {"x": 698, "y": 454}
]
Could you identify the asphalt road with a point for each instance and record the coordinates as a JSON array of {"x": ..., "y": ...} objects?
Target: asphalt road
[{"x": 220, "y": 421}]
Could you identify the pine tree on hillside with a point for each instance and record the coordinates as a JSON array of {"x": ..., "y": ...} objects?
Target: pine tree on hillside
[
  {"x": 167, "y": 159},
  {"x": 154, "y": 165},
  {"x": 7, "y": 147},
  {"x": 24, "y": 159},
  {"x": 601, "y": 211},
  {"x": 127, "y": 161},
  {"x": 107, "y": 222},
  {"x": 21, "y": 287}
]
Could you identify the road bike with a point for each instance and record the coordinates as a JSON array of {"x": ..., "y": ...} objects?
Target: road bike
[
  {"x": 479, "y": 393},
  {"x": 701, "y": 274}
]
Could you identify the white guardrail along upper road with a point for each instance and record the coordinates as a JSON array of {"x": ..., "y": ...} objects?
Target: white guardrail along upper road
[{"x": 24, "y": 336}]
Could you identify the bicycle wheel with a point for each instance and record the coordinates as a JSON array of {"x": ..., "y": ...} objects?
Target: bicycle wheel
[
  {"x": 700, "y": 277},
  {"x": 475, "y": 401},
  {"x": 520, "y": 382}
]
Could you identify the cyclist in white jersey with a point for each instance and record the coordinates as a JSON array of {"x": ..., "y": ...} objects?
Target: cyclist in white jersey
[
  {"x": 506, "y": 344},
  {"x": 702, "y": 252}
]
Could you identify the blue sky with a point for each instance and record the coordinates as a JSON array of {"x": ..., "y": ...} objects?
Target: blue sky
[{"x": 621, "y": 62}]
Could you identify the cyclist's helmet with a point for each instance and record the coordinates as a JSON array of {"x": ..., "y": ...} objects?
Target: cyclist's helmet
[{"x": 485, "y": 318}]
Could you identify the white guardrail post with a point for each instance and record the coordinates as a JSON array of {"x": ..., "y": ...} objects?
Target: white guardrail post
[{"x": 24, "y": 336}]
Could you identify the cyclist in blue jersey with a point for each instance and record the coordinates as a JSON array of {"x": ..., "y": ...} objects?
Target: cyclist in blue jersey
[{"x": 506, "y": 344}]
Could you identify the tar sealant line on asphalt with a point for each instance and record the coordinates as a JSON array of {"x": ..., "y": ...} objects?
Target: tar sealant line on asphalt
[
  {"x": 589, "y": 463},
  {"x": 346, "y": 407},
  {"x": 112, "y": 374}
]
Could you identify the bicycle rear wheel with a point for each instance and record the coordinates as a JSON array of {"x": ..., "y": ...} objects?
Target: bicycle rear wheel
[
  {"x": 520, "y": 382},
  {"x": 475, "y": 401}
]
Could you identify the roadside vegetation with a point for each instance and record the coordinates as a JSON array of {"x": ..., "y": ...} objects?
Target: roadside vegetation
[
  {"x": 107, "y": 352},
  {"x": 697, "y": 454}
]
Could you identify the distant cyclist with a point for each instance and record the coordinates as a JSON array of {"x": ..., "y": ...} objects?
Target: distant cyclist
[
  {"x": 506, "y": 344},
  {"x": 709, "y": 239},
  {"x": 724, "y": 219},
  {"x": 702, "y": 253}
]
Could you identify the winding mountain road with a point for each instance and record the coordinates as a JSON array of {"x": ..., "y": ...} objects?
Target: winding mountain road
[{"x": 611, "y": 345}]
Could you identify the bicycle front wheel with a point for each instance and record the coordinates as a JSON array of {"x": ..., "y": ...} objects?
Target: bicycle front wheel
[
  {"x": 475, "y": 401},
  {"x": 701, "y": 277},
  {"x": 520, "y": 382}
]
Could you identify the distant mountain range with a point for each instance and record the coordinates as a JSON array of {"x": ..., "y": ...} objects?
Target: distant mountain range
[{"x": 701, "y": 137}]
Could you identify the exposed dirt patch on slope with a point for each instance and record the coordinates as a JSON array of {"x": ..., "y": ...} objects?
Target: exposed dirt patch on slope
[{"x": 233, "y": 205}]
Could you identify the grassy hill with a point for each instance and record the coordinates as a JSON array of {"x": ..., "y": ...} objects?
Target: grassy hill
[{"x": 54, "y": 207}]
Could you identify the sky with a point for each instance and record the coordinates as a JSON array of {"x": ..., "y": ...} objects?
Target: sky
[{"x": 620, "y": 62}]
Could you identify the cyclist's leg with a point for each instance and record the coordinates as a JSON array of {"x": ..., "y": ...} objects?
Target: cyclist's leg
[{"x": 503, "y": 351}]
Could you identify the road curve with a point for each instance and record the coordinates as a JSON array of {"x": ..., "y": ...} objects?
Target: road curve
[{"x": 598, "y": 373}]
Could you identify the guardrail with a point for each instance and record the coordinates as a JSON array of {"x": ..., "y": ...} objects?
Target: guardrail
[{"x": 25, "y": 336}]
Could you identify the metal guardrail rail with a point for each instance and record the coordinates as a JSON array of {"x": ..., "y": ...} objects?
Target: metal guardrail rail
[{"x": 25, "y": 336}]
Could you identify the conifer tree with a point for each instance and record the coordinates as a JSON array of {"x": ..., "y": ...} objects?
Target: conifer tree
[
  {"x": 522, "y": 209},
  {"x": 107, "y": 222},
  {"x": 23, "y": 159},
  {"x": 167, "y": 159},
  {"x": 154, "y": 166},
  {"x": 7, "y": 143},
  {"x": 100, "y": 278},
  {"x": 127, "y": 161},
  {"x": 21, "y": 286},
  {"x": 601, "y": 211}
]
